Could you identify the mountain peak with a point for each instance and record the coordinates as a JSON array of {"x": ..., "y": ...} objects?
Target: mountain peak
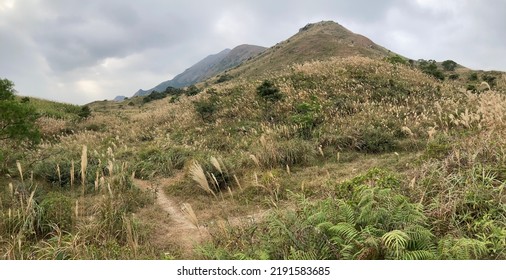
[
  {"x": 315, "y": 41},
  {"x": 324, "y": 25}
]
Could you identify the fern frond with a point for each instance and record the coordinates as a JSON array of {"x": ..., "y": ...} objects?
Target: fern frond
[
  {"x": 301, "y": 255},
  {"x": 462, "y": 249},
  {"x": 395, "y": 241},
  {"x": 324, "y": 227},
  {"x": 345, "y": 230},
  {"x": 420, "y": 238},
  {"x": 346, "y": 213},
  {"x": 418, "y": 255}
]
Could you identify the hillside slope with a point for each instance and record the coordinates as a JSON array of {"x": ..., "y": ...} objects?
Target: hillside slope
[
  {"x": 317, "y": 41},
  {"x": 208, "y": 67}
]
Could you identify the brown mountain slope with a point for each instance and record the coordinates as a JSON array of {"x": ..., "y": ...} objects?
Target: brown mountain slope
[{"x": 316, "y": 41}]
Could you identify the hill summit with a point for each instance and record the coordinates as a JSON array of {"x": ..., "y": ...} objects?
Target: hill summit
[{"x": 315, "y": 41}]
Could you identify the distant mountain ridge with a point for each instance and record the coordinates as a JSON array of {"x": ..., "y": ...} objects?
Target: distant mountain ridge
[{"x": 208, "y": 67}]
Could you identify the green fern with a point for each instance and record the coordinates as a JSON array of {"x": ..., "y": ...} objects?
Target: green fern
[
  {"x": 419, "y": 255},
  {"x": 344, "y": 231},
  {"x": 461, "y": 249},
  {"x": 395, "y": 242}
]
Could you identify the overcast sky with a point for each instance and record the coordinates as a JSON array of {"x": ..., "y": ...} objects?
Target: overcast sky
[{"x": 79, "y": 51}]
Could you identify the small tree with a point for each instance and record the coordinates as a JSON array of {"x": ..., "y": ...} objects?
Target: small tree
[
  {"x": 85, "y": 112},
  {"x": 429, "y": 67},
  {"x": 449, "y": 65},
  {"x": 17, "y": 120}
]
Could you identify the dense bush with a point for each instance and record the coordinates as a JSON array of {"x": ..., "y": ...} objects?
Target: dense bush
[
  {"x": 17, "y": 120},
  {"x": 376, "y": 140},
  {"x": 429, "y": 67},
  {"x": 206, "y": 107},
  {"x": 449, "y": 65},
  {"x": 55, "y": 211},
  {"x": 268, "y": 91}
]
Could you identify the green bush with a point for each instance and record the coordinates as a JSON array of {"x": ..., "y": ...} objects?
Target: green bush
[
  {"x": 17, "y": 120},
  {"x": 429, "y": 67},
  {"x": 206, "y": 107},
  {"x": 85, "y": 112},
  {"x": 268, "y": 91},
  {"x": 307, "y": 117},
  {"x": 55, "y": 210},
  {"x": 453, "y": 77},
  {"x": 491, "y": 80},
  {"x": 192, "y": 90},
  {"x": 224, "y": 78},
  {"x": 449, "y": 65},
  {"x": 155, "y": 162},
  {"x": 376, "y": 140},
  {"x": 396, "y": 59},
  {"x": 473, "y": 77}
]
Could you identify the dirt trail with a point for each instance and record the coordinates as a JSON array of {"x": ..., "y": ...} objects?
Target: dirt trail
[{"x": 180, "y": 229}]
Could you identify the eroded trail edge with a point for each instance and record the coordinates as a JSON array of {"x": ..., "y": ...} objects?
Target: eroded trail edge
[{"x": 180, "y": 230}]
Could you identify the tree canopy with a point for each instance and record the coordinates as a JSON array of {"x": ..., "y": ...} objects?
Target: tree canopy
[{"x": 17, "y": 119}]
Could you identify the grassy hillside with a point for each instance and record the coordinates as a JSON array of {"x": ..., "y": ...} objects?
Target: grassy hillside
[
  {"x": 342, "y": 158},
  {"x": 318, "y": 41}
]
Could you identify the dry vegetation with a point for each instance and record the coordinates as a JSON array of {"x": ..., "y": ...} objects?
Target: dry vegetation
[{"x": 357, "y": 159}]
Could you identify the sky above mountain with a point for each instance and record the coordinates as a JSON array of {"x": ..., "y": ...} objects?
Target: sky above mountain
[{"x": 79, "y": 51}]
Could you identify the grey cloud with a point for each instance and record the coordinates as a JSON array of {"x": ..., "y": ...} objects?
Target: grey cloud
[{"x": 77, "y": 50}]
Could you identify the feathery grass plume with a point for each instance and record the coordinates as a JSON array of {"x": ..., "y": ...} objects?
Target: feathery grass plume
[
  {"x": 72, "y": 174},
  {"x": 255, "y": 160},
  {"x": 216, "y": 164},
  {"x": 321, "y": 151},
  {"x": 84, "y": 165},
  {"x": 96, "y": 181},
  {"x": 133, "y": 176},
  {"x": 18, "y": 164},
  {"x": 199, "y": 177},
  {"x": 484, "y": 85},
  {"x": 110, "y": 190},
  {"x": 288, "y": 169},
  {"x": 76, "y": 210},
  {"x": 11, "y": 189},
  {"x": 230, "y": 192},
  {"x": 59, "y": 173},
  {"x": 29, "y": 204},
  {"x": 237, "y": 182},
  {"x": 263, "y": 141},
  {"x": 110, "y": 167},
  {"x": 187, "y": 210},
  {"x": 215, "y": 181}
]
